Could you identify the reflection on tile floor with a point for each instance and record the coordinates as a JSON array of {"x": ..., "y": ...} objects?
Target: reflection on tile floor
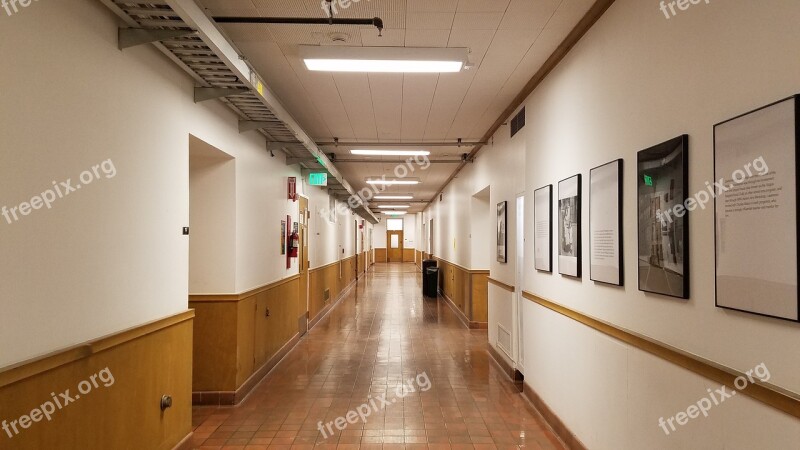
[{"x": 383, "y": 334}]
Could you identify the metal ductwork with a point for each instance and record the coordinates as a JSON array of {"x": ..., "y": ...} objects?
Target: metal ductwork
[
  {"x": 183, "y": 32},
  {"x": 377, "y": 22}
]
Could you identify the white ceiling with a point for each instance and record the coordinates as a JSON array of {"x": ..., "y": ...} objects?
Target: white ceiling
[{"x": 509, "y": 40}]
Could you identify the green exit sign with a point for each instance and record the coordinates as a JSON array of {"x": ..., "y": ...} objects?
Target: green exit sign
[
  {"x": 648, "y": 180},
  {"x": 318, "y": 179}
]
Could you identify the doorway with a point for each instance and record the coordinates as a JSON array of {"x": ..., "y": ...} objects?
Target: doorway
[
  {"x": 394, "y": 239},
  {"x": 519, "y": 282},
  {"x": 355, "y": 247},
  {"x": 303, "y": 263},
  {"x": 430, "y": 240}
]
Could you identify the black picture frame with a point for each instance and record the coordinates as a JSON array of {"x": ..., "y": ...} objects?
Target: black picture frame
[
  {"x": 619, "y": 164},
  {"x": 502, "y": 232},
  {"x": 569, "y": 227},
  {"x": 547, "y": 242},
  {"x": 672, "y": 159},
  {"x": 778, "y": 237}
]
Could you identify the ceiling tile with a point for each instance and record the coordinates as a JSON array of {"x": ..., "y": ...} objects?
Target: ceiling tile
[
  {"x": 387, "y": 102},
  {"x": 427, "y": 38},
  {"x": 390, "y": 38},
  {"x": 477, "y": 21},
  {"x": 508, "y": 41},
  {"x": 432, "y": 5},
  {"x": 483, "y": 5},
  {"x": 418, "y": 91},
  {"x": 429, "y": 20},
  {"x": 354, "y": 91}
]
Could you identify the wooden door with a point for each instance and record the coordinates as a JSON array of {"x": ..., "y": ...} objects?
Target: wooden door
[
  {"x": 394, "y": 243},
  {"x": 355, "y": 247},
  {"x": 303, "y": 267}
]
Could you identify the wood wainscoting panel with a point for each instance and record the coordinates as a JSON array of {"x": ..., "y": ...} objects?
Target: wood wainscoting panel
[
  {"x": 466, "y": 291},
  {"x": 408, "y": 255},
  {"x": 117, "y": 385},
  {"x": 236, "y": 339},
  {"x": 480, "y": 296},
  {"x": 380, "y": 255},
  {"x": 334, "y": 278},
  {"x": 275, "y": 321},
  {"x": 215, "y": 346},
  {"x": 246, "y": 339}
]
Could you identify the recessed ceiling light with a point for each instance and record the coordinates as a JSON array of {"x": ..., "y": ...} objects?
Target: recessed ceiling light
[
  {"x": 394, "y": 206},
  {"x": 394, "y": 197},
  {"x": 391, "y": 152},
  {"x": 392, "y": 182},
  {"x": 394, "y": 213},
  {"x": 383, "y": 59}
]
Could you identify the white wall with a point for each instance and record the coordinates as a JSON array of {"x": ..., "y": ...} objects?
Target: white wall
[
  {"x": 113, "y": 250},
  {"x": 410, "y": 231},
  {"x": 482, "y": 234},
  {"x": 212, "y": 218},
  {"x": 635, "y": 80},
  {"x": 499, "y": 167}
]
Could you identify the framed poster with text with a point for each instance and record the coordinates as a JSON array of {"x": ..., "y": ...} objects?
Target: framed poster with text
[
  {"x": 755, "y": 211},
  {"x": 605, "y": 224},
  {"x": 543, "y": 228}
]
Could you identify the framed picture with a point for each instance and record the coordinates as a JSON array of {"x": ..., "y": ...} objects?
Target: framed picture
[
  {"x": 283, "y": 237},
  {"x": 755, "y": 211},
  {"x": 543, "y": 233},
  {"x": 662, "y": 186},
  {"x": 605, "y": 224},
  {"x": 502, "y": 232},
  {"x": 569, "y": 226}
]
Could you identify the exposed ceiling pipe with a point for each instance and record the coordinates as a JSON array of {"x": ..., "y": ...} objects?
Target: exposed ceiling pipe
[
  {"x": 377, "y": 22},
  {"x": 403, "y": 144}
]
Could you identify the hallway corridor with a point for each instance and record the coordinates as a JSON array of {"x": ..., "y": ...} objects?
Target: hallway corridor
[{"x": 381, "y": 334}]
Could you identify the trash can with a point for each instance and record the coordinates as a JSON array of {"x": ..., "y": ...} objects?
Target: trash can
[
  {"x": 427, "y": 263},
  {"x": 430, "y": 282}
]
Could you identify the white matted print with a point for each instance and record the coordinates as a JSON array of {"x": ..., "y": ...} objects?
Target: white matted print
[
  {"x": 605, "y": 223},
  {"x": 502, "y": 232},
  {"x": 569, "y": 226},
  {"x": 543, "y": 228}
]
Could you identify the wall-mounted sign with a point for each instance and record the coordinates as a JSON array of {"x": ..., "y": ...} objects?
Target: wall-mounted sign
[
  {"x": 318, "y": 179},
  {"x": 293, "y": 189}
]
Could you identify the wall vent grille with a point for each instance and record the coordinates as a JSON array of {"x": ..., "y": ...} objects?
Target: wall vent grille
[
  {"x": 518, "y": 122},
  {"x": 504, "y": 340}
]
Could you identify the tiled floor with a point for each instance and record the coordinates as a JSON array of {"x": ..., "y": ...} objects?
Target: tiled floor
[{"x": 382, "y": 335}]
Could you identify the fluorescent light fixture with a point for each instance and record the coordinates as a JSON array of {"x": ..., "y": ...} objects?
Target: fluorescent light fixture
[
  {"x": 390, "y": 152},
  {"x": 383, "y": 59},
  {"x": 394, "y": 197},
  {"x": 394, "y": 213},
  {"x": 394, "y": 206},
  {"x": 392, "y": 182}
]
